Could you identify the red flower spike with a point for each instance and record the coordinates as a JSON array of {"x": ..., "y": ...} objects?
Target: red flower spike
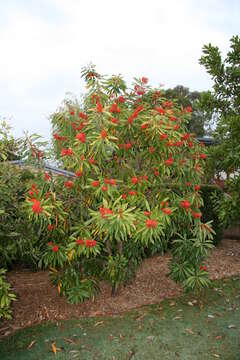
[
  {"x": 104, "y": 188},
  {"x": 151, "y": 224},
  {"x": 81, "y": 137},
  {"x": 151, "y": 149},
  {"x": 144, "y": 126},
  {"x": 91, "y": 243},
  {"x": 114, "y": 109},
  {"x": 114, "y": 120},
  {"x": 185, "y": 136},
  {"x": 163, "y": 136},
  {"x": 50, "y": 227},
  {"x": 83, "y": 116},
  {"x": 55, "y": 248},
  {"x": 95, "y": 183},
  {"x": 69, "y": 184},
  {"x": 132, "y": 193},
  {"x": 169, "y": 162},
  {"x": 144, "y": 80},
  {"x": 147, "y": 213},
  {"x": 47, "y": 176},
  {"x": 121, "y": 99},
  {"x": 188, "y": 109},
  {"x": 36, "y": 208},
  {"x": 124, "y": 196},
  {"x": 104, "y": 134},
  {"x": 197, "y": 187},
  {"x": 99, "y": 107},
  {"x": 78, "y": 173},
  {"x": 188, "y": 183},
  {"x": 134, "y": 180},
  {"x": 197, "y": 215},
  {"x": 160, "y": 110},
  {"x": 72, "y": 112},
  {"x": 203, "y": 156},
  {"x": 167, "y": 211},
  {"x": 80, "y": 242},
  {"x": 185, "y": 204}
]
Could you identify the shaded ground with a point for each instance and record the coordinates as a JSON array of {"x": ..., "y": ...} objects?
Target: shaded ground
[
  {"x": 39, "y": 301},
  {"x": 175, "y": 329}
]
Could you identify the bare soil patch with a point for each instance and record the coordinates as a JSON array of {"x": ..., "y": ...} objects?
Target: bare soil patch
[{"x": 39, "y": 301}]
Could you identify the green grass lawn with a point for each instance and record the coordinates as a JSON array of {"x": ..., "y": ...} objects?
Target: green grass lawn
[{"x": 175, "y": 329}]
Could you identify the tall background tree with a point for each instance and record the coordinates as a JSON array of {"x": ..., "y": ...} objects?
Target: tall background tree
[
  {"x": 223, "y": 103},
  {"x": 199, "y": 122}
]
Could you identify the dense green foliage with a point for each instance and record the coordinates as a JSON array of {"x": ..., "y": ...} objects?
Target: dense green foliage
[{"x": 223, "y": 104}]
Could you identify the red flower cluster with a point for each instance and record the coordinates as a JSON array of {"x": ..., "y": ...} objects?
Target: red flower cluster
[
  {"x": 36, "y": 206},
  {"x": 160, "y": 110},
  {"x": 147, "y": 213},
  {"x": 163, "y": 136},
  {"x": 144, "y": 126},
  {"x": 114, "y": 109},
  {"x": 99, "y": 107},
  {"x": 204, "y": 268},
  {"x": 185, "y": 204},
  {"x": 69, "y": 184},
  {"x": 167, "y": 211},
  {"x": 135, "y": 180},
  {"x": 82, "y": 115},
  {"x": 144, "y": 80},
  {"x": 105, "y": 211},
  {"x": 81, "y": 137},
  {"x": 90, "y": 243},
  {"x": 110, "y": 181},
  {"x": 135, "y": 114},
  {"x": 67, "y": 152},
  {"x": 80, "y": 242},
  {"x": 197, "y": 215},
  {"x": 95, "y": 183},
  {"x": 58, "y": 137},
  {"x": 114, "y": 120},
  {"x": 51, "y": 227},
  {"x": 78, "y": 173},
  {"x": 169, "y": 162},
  {"x": 55, "y": 248},
  {"x": 104, "y": 134},
  {"x": 47, "y": 176},
  {"x": 151, "y": 223}
]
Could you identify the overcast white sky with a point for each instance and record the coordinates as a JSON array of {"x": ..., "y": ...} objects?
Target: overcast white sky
[{"x": 45, "y": 43}]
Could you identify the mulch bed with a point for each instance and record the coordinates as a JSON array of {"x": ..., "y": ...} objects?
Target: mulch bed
[{"x": 39, "y": 301}]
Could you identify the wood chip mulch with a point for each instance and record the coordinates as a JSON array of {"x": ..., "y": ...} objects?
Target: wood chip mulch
[{"x": 39, "y": 301}]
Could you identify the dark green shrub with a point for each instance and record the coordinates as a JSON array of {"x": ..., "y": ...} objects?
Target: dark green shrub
[{"x": 209, "y": 209}]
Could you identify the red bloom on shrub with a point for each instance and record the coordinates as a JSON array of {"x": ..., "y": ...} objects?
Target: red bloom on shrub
[
  {"x": 58, "y": 137},
  {"x": 92, "y": 161},
  {"x": 172, "y": 118},
  {"x": 197, "y": 187},
  {"x": 47, "y": 176},
  {"x": 147, "y": 213},
  {"x": 50, "y": 243},
  {"x": 139, "y": 90},
  {"x": 72, "y": 112},
  {"x": 55, "y": 248},
  {"x": 168, "y": 104},
  {"x": 51, "y": 227},
  {"x": 124, "y": 196},
  {"x": 185, "y": 136},
  {"x": 204, "y": 268},
  {"x": 81, "y": 137},
  {"x": 67, "y": 152},
  {"x": 188, "y": 183},
  {"x": 190, "y": 144},
  {"x": 156, "y": 172},
  {"x": 110, "y": 181},
  {"x": 197, "y": 215},
  {"x": 114, "y": 120},
  {"x": 202, "y": 156},
  {"x": 132, "y": 193},
  {"x": 80, "y": 242},
  {"x": 104, "y": 134},
  {"x": 114, "y": 108},
  {"x": 185, "y": 204},
  {"x": 91, "y": 243},
  {"x": 176, "y": 127},
  {"x": 144, "y": 80},
  {"x": 188, "y": 109},
  {"x": 36, "y": 207},
  {"x": 104, "y": 188},
  {"x": 169, "y": 162},
  {"x": 127, "y": 146},
  {"x": 31, "y": 193},
  {"x": 163, "y": 136},
  {"x": 68, "y": 184},
  {"x": 121, "y": 99},
  {"x": 105, "y": 211},
  {"x": 134, "y": 180},
  {"x": 144, "y": 126},
  {"x": 167, "y": 211},
  {"x": 151, "y": 149},
  {"x": 82, "y": 115},
  {"x": 160, "y": 110},
  {"x": 95, "y": 183},
  {"x": 150, "y": 223},
  {"x": 79, "y": 173},
  {"x": 99, "y": 107}
]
